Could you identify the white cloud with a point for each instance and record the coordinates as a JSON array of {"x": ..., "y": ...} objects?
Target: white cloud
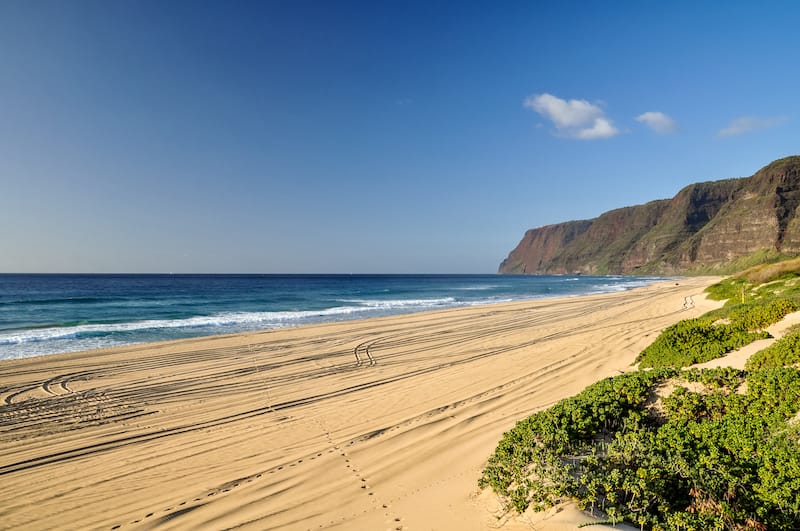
[
  {"x": 658, "y": 122},
  {"x": 602, "y": 128},
  {"x": 574, "y": 118},
  {"x": 746, "y": 124}
]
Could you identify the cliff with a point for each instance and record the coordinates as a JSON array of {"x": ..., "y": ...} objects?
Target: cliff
[{"x": 706, "y": 224}]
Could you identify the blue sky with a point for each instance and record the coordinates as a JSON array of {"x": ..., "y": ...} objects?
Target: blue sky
[{"x": 368, "y": 137}]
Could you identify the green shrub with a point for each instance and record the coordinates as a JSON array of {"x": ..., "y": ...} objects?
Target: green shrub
[
  {"x": 783, "y": 353},
  {"x": 695, "y": 341},
  {"x": 527, "y": 467},
  {"x": 759, "y": 316},
  {"x": 698, "y": 340},
  {"x": 713, "y": 460}
]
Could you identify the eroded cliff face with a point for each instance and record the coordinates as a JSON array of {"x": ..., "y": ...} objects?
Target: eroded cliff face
[
  {"x": 705, "y": 224},
  {"x": 539, "y": 248}
]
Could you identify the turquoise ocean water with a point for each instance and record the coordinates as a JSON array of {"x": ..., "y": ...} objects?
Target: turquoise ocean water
[{"x": 46, "y": 314}]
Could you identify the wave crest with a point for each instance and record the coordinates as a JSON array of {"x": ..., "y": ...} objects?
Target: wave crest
[{"x": 224, "y": 319}]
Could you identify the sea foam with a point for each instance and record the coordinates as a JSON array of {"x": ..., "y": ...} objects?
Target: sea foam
[
  {"x": 223, "y": 319},
  {"x": 44, "y": 314}
]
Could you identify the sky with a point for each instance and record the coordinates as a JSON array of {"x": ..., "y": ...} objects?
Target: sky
[{"x": 145, "y": 136}]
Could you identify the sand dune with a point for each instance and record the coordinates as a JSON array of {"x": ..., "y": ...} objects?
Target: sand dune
[{"x": 374, "y": 424}]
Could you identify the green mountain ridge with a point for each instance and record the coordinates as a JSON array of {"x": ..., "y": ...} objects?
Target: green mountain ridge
[{"x": 705, "y": 227}]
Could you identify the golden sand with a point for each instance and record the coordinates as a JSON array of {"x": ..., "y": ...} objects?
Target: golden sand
[{"x": 372, "y": 424}]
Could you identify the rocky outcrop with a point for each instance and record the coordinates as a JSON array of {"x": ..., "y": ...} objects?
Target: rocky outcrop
[{"x": 705, "y": 224}]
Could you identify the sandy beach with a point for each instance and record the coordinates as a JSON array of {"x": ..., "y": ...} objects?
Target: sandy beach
[{"x": 372, "y": 424}]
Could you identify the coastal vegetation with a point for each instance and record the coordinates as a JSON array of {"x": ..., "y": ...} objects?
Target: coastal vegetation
[
  {"x": 663, "y": 449},
  {"x": 695, "y": 341},
  {"x": 783, "y": 353},
  {"x": 670, "y": 448},
  {"x": 712, "y": 336},
  {"x": 755, "y": 299}
]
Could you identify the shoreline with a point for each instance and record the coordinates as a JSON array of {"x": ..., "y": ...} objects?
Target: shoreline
[
  {"x": 80, "y": 320},
  {"x": 373, "y": 423}
]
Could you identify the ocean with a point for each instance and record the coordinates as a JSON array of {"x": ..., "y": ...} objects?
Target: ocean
[{"x": 46, "y": 314}]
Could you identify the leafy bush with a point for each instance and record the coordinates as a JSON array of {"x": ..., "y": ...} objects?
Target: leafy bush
[
  {"x": 695, "y": 341},
  {"x": 783, "y": 353},
  {"x": 527, "y": 467},
  {"x": 698, "y": 340},
  {"x": 759, "y": 316},
  {"x": 713, "y": 460}
]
